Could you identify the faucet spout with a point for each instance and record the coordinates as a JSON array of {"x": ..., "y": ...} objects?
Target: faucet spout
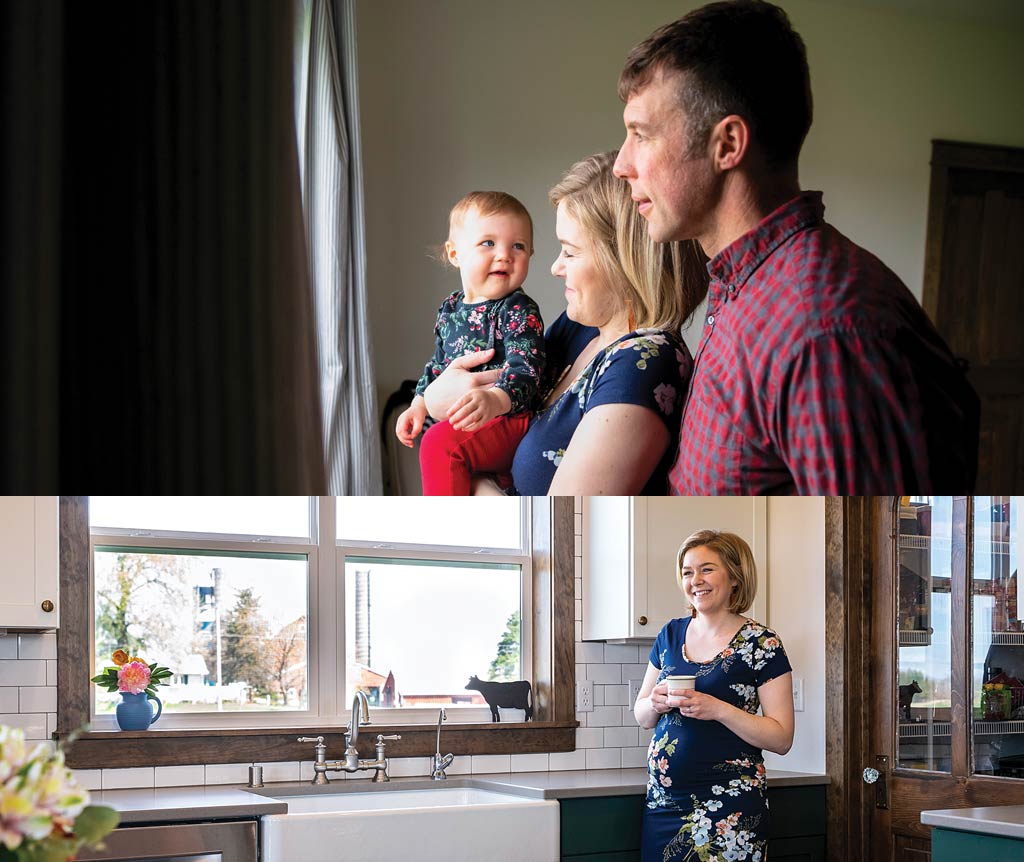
[
  {"x": 441, "y": 716},
  {"x": 441, "y": 763},
  {"x": 353, "y": 727}
]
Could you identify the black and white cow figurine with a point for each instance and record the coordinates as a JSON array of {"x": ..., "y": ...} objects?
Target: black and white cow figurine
[{"x": 511, "y": 695}]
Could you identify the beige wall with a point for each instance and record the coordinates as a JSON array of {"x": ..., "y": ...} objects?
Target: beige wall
[
  {"x": 463, "y": 94},
  {"x": 796, "y": 610}
]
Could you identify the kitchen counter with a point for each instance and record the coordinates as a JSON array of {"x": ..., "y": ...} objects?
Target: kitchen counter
[
  {"x": 1004, "y": 820},
  {"x": 170, "y": 804}
]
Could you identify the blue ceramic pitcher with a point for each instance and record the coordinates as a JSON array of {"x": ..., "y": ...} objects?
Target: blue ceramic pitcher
[{"x": 134, "y": 712}]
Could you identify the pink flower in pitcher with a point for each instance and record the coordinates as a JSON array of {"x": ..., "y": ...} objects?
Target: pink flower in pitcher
[{"x": 133, "y": 677}]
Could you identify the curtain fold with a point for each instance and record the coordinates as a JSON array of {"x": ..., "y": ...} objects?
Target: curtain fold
[
  {"x": 327, "y": 120},
  {"x": 187, "y": 335}
]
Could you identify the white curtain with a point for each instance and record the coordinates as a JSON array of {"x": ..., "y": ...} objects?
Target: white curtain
[{"x": 327, "y": 120}]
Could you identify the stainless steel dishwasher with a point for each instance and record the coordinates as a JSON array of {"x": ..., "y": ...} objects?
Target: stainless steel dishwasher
[{"x": 179, "y": 842}]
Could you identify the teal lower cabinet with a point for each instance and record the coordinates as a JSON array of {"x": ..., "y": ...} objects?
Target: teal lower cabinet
[
  {"x": 952, "y": 845},
  {"x": 607, "y": 828}
]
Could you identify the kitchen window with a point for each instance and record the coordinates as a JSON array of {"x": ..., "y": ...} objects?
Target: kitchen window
[{"x": 272, "y": 611}]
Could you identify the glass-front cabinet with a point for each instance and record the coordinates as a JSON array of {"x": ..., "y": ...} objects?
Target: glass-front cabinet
[
  {"x": 958, "y": 557},
  {"x": 997, "y": 605}
]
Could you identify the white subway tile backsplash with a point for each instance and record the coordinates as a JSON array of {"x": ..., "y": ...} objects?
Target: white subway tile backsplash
[
  {"x": 634, "y": 671},
  {"x": 586, "y": 653},
  {"x": 180, "y": 776},
  {"x": 285, "y": 771},
  {"x": 17, "y": 672},
  {"x": 8, "y": 646},
  {"x": 604, "y": 674},
  {"x": 115, "y": 779},
  {"x": 620, "y": 653},
  {"x": 88, "y": 779},
  {"x": 38, "y": 699},
  {"x": 41, "y": 646},
  {"x": 579, "y": 610},
  {"x": 51, "y": 724},
  {"x": 615, "y": 695},
  {"x": 559, "y": 761},
  {"x": 492, "y": 763},
  {"x": 634, "y": 757},
  {"x": 603, "y": 758},
  {"x": 33, "y": 723},
  {"x": 589, "y": 737},
  {"x": 605, "y": 716},
  {"x": 9, "y": 698},
  {"x": 51, "y": 671},
  {"x": 530, "y": 762},
  {"x": 622, "y": 737},
  {"x": 227, "y": 773},
  {"x": 418, "y": 766},
  {"x": 460, "y": 766}
]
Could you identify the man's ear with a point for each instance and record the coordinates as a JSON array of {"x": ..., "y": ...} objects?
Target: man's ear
[
  {"x": 730, "y": 141},
  {"x": 451, "y": 253}
]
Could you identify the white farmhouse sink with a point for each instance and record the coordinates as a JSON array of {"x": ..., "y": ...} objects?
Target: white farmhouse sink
[{"x": 450, "y": 824}]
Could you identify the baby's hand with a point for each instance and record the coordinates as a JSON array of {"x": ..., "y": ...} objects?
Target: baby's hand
[
  {"x": 478, "y": 407},
  {"x": 410, "y": 422}
]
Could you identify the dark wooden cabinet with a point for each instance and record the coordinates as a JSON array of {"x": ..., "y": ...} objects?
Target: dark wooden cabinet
[{"x": 607, "y": 828}]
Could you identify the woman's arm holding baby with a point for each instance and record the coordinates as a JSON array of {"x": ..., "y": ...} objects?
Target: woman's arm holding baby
[{"x": 458, "y": 379}]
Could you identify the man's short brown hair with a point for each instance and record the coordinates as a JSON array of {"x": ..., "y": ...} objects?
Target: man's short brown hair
[{"x": 734, "y": 57}]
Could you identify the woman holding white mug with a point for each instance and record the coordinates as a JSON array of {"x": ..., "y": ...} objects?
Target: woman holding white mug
[{"x": 706, "y": 790}]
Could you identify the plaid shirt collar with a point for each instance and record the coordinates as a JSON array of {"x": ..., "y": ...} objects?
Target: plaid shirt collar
[{"x": 734, "y": 264}]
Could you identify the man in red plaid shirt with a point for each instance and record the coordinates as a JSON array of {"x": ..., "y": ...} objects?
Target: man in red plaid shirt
[{"x": 817, "y": 371}]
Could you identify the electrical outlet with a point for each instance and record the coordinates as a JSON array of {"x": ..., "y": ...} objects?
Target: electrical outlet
[
  {"x": 584, "y": 696},
  {"x": 798, "y": 694},
  {"x": 634, "y": 690}
]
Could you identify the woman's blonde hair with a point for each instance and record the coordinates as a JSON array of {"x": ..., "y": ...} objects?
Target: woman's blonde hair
[
  {"x": 660, "y": 284},
  {"x": 737, "y": 558}
]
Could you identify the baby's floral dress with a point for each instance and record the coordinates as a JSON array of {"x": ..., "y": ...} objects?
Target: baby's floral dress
[
  {"x": 647, "y": 367},
  {"x": 706, "y": 790},
  {"x": 512, "y": 325}
]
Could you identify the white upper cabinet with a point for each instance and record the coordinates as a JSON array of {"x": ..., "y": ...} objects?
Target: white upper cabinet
[
  {"x": 629, "y": 558},
  {"x": 29, "y": 563}
]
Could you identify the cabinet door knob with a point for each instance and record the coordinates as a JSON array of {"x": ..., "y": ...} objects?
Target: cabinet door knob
[
  {"x": 642, "y": 621},
  {"x": 47, "y": 605}
]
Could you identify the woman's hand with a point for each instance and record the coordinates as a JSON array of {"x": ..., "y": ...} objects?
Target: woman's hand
[
  {"x": 478, "y": 407},
  {"x": 696, "y": 704},
  {"x": 458, "y": 379}
]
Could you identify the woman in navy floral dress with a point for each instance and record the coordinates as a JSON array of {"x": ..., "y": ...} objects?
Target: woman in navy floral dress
[
  {"x": 617, "y": 369},
  {"x": 706, "y": 791}
]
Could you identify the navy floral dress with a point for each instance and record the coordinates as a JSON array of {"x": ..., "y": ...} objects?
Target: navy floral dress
[
  {"x": 649, "y": 367},
  {"x": 511, "y": 325},
  {"x": 706, "y": 790}
]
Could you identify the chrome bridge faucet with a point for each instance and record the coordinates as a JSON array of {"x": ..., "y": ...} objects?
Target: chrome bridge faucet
[
  {"x": 441, "y": 763},
  {"x": 351, "y": 763}
]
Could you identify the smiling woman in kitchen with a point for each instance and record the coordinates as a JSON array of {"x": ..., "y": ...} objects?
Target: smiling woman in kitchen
[{"x": 706, "y": 788}]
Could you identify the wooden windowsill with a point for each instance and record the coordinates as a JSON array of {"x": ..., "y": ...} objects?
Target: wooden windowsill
[{"x": 181, "y": 747}]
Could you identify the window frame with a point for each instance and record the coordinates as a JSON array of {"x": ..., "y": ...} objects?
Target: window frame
[{"x": 552, "y": 646}]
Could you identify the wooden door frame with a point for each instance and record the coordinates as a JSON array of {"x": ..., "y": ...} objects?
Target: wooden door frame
[
  {"x": 855, "y": 552},
  {"x": 849, "y": 528},
  {"x": 947, "y": 156}
]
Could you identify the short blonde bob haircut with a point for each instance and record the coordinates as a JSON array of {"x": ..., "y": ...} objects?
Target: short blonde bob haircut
[
  {"x": 659, "y": 284},
  {"x": 737, "y": 558}
]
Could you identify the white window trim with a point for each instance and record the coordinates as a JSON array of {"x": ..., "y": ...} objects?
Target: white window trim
[{"x": 325, "y": 602}]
